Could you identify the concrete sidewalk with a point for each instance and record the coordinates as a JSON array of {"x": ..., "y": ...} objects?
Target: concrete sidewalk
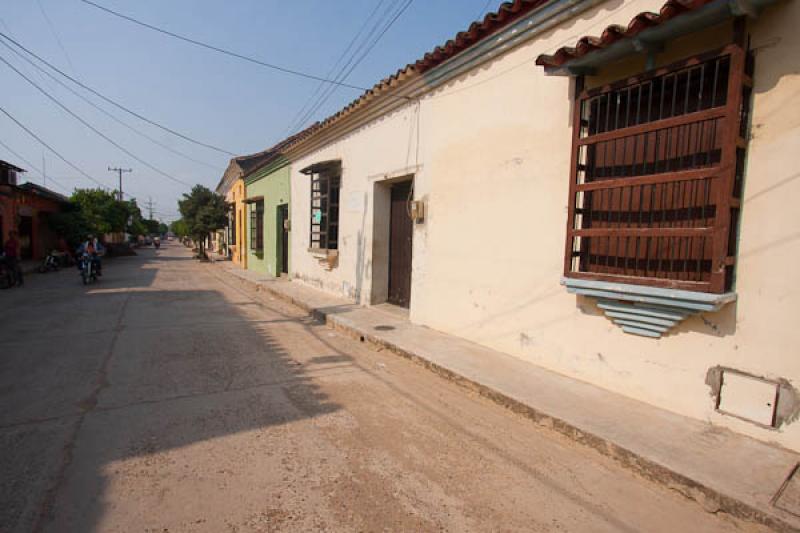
[{"x": 721, "y": 470}]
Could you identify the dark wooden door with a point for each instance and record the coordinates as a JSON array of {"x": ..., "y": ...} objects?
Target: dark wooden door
[
  {"x": 26, "y": 237},
  {"x": 401, "y": 229},
  {"x": 283, "y": 253}
]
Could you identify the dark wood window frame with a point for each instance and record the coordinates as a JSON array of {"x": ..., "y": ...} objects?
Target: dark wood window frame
[
  {"x": 324, "y": 212},
  {"x": 257, "y": 226},
  {"x": 654, "y": 196}
]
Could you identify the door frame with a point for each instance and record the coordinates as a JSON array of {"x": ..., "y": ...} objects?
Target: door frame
[
  {"x": 381, "y": 232},
  {"x": 281, "y": 248}
]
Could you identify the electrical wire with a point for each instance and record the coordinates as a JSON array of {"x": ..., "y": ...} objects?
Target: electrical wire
[
  {"x": 61, "y": 157},
  {"x": 95, "y": 130},
  {"x": 111, "y": 116},
  {"x": 352, "y": 67},
  {"x": 55, "y": 35},
  {"x": 34, "y": 167},
  {"x": 320, "y": 85},
  {"x": 112, "y": 102},
  {"x": 222, "y": 50}
]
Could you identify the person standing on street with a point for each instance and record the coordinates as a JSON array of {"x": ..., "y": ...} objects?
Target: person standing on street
[{"x": 11, "y": 251}]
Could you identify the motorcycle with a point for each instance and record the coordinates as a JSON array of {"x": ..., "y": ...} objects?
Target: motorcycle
[
  {"x": 88, "y": 269},
  {"x": 51, "y": 262}
]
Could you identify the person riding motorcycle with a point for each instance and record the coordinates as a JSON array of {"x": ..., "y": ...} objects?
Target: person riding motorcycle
[{"x": 94, "y": 249}]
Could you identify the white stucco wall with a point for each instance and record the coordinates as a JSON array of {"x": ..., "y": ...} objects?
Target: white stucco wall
[
  {"x": 494, "y": 152},
  {"x": 384, "y": 149}
]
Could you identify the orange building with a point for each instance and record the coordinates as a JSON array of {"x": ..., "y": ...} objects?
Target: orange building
[{"x": 24, "y": 209}]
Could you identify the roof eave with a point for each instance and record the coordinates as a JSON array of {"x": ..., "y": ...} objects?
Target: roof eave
[{"x": 654, "y": 38}]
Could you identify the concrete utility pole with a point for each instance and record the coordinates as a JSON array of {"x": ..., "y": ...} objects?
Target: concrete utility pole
[
  {"x": 120, "y": 171},
  {"x": 150, "y": 207}
]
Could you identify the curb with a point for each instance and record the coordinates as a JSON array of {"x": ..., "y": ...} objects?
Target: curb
[{"x": 710, "y": 499}]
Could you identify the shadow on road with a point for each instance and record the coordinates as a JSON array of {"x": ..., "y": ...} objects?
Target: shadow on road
[{"x": 95, "y": 380}]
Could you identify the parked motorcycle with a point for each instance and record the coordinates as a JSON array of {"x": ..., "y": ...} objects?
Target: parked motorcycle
[
  {"x": 51, "y": 262},
  {"x": 88, "y": 269}
]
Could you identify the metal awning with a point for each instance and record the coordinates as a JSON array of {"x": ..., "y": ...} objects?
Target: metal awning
[{"x": 322, "y": 166}]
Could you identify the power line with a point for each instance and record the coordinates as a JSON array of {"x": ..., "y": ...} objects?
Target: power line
[
  {"x": 366, "y": 52},
  {"x": 114, "y": 103},
  {"x": 55, "y": 35},
  {"x": 222, "y": 50},
  {"x": 31, "y": 165},
  {"x": 110, "y": 115},
  {"x": 320, "y": 85},
  {"x": 95, "y": 130},
  {"x": 61, "y": 157}
]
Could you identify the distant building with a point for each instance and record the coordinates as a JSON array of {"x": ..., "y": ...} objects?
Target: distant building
[{"x": 24, "y": 209}]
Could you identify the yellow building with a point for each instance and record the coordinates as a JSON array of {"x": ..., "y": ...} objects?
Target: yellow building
[{"x": 230, "y": 242}]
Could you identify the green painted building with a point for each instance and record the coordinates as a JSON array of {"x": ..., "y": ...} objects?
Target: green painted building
[{"x": 267, "y": 196}]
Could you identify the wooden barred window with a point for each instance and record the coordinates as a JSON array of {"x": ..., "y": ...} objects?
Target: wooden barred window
[
  {"x": 257, "y": 226},
  {"x": 657, "y": 168},
  {"x": 325, "y": 185}
]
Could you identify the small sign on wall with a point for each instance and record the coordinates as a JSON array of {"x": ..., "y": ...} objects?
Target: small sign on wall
[{"x": 355, "y": 202}]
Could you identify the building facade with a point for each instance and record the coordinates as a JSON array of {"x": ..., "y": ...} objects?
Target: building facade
[
  {"x": 600, "y": 188},
  {"x": 25, "y": 209},
  {"x": 268, "y": 218},
  {"x": 232, "y": 241}
]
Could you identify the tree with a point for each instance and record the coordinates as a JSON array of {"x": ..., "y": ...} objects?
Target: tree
[
  {"x": 162, "y": 228},
  {"x": 71, "y": 224},
  {"x": 204, "y": 212},
  {"x": 101, "y": 211},
  {"x": 151, "y": 226},
  {"x": 179, "y": 228}
]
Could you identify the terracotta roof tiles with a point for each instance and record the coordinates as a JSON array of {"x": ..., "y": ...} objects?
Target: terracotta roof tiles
[{"x": 613, "y": 33}]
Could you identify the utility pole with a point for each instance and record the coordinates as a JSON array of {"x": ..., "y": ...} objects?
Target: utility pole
[
  {"x": 150, "y": 206},
  {"x": 120, "y": 171}
]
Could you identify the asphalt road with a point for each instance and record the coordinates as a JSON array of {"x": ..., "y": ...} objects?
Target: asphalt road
[{"x": 171, "y": 397}]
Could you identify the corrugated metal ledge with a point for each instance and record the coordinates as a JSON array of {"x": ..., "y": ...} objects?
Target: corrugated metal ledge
[{"x": 646, "y": 311}]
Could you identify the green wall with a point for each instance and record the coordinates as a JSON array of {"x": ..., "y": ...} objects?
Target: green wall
[{"x": 271, "y": 182}]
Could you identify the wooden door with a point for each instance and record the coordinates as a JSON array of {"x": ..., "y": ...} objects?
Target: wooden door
[
  {"x": 401, "y": 230},
  {"x": 26, "y": 237},
  {"x": 283, "y": 252}
]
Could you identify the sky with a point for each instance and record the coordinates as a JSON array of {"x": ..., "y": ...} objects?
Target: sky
[{"x": 219, "y": 100}]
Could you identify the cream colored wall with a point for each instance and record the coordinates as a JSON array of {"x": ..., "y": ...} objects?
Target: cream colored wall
[
  {"x": 496, "y": 232},
  {"x": 495, "y": 148},
  {"x": 383, "y": 149}
]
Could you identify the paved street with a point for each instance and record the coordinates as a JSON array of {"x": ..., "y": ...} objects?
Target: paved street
[{"x": 172, "y": 397}]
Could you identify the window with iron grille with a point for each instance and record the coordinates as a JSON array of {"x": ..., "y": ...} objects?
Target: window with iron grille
[
  {"x": 233, "y": 226},
  {"x": 325, "y": 184},
  {"x": 656, "y": 179},
  {"x": 257, "y": 226}
]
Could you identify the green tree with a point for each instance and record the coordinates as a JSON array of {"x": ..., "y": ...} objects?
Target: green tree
[
  {"x": 162, "y": 228},
  {"x": 204, "y": 212},
  {"x": 70, "y": 224},
  {"x": 179, "y": 228},
  {"x": 101, "y": 211},
  {"x": 151, "y": 226}
]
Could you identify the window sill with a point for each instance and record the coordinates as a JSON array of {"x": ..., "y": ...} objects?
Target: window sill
[
  {"x": 646, "y": 311},
  {"x": 323, "y": 252}
]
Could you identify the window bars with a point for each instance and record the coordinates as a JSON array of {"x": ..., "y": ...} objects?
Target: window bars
[
  {"x": 324, "y": 232},
  {"x": 257, "y": 226},
  {"x": 656, "y": 176}
]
